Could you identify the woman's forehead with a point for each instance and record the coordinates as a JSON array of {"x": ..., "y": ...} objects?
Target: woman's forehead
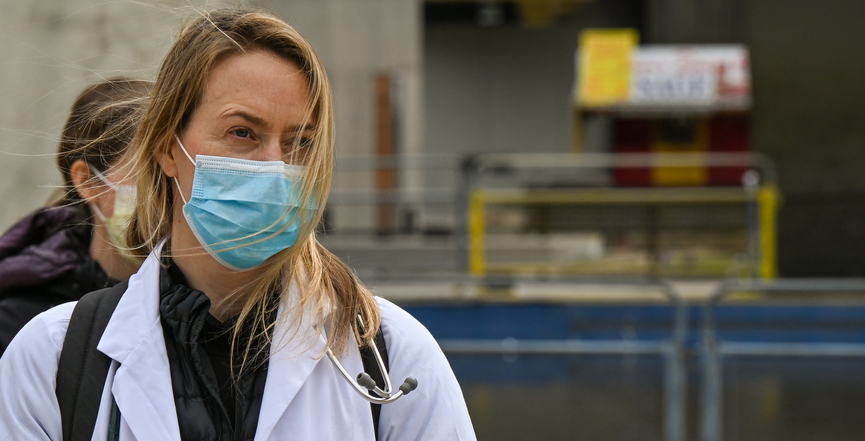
[{"x": 261, "y": 85}]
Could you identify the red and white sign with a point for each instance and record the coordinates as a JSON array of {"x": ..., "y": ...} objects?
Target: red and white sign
[{"x": 690, "y": 75}]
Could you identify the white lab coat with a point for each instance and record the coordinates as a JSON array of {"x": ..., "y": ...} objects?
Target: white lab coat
[{"x": 305, "y": 397}]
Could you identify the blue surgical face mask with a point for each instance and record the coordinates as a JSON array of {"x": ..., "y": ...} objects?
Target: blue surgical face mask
[{"x": 241, "y": 211}]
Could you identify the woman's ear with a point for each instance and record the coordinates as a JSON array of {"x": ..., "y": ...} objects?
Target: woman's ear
[
  {"x": 165, "y": 158},
  {"x": 81, "y": 176}
]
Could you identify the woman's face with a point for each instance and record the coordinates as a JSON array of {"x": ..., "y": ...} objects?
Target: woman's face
[{"x": 254, "y": 107}]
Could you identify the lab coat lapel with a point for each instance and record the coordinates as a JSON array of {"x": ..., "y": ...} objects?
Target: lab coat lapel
[
  {"x": 133, "y": 337},
  {"x": 293, "y": 356}
]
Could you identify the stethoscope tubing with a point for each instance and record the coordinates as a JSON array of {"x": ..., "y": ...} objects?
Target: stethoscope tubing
[
  {"x": 385, "y": 396},
  {"x": 388, "y": 388}
]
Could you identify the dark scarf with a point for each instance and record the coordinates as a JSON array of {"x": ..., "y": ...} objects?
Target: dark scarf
[{"x": 210, "y": 406}]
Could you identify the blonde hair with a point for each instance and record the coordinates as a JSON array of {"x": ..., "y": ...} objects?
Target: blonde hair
[{"x": 327, "y": 288}]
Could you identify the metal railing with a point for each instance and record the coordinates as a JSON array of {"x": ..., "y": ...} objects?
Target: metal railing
[
  {"x": 672, "y": 350},
  {"x": 715, "y": 351},
  {"x": 473, "y": 182},
  {"x": 419, "y": 162},
  {"x": 758, "y": 192},
  {"x": 511, "y": 161}
]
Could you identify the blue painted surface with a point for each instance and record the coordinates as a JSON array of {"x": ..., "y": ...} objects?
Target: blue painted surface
[{"x": 774, "y": 323}]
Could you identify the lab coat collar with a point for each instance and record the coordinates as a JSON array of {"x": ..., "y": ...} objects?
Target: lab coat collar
[
  {"x": 136, "y": 313},
  {"x": 133, "y": 337},
  {"x": 297, "y": 347}
]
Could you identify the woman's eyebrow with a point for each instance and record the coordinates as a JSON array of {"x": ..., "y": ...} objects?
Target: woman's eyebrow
[
  {"x": 261, "y": 122},
  {"x": 245, "y": 115}
]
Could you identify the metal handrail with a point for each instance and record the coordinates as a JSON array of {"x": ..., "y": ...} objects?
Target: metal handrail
[
  {"x": 759, "y": 191},
  {"x": 671, "y": 349},
  {"x": 469, "y": 173},
  {"x": 552, "y": 347},
  {"x": 397, "y": 196},
  {"x": 714, "y": 350},
  {"x": 508, "y": 161},
  {"x": 408, "y": 161}
]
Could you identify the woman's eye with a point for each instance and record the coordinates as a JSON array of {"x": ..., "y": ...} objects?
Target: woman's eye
[
  {"x": 296, "y": 149},
  {"x": 241, "y": 133},
  {"x": 296, "y": 143}
]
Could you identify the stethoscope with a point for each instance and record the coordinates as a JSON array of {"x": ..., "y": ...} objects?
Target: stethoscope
[{"x": 365, "y": 383}]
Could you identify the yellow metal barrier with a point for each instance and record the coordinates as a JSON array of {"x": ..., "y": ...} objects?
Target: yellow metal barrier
[
  {"x": 477, "y": 233},
  {"x": 766, "y": 198}
]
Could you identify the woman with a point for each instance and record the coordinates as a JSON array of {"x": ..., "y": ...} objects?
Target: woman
[
  {"x": 61, "y": 252},
  {"x": 222, "y": 332}
]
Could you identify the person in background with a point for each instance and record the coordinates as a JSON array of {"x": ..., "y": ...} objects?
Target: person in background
[{"x": 62, "y": 251}]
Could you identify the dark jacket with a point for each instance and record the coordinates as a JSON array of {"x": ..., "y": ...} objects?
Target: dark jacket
[
  {"x": 45, "y": 261},
  {"x": 210, "y": 405}
]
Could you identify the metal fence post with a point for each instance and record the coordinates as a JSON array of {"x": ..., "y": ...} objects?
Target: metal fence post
[
  {"x": 676, "y": 377},
  {"x": 468, "y": 169},
  {"x": 714, "y": 351},
  {"x": 712, "y": 375}
]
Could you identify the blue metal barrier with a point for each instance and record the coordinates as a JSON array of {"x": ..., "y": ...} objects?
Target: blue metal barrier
[
  {"x": 808, "y": 344},
  {"x": 547, "y": 332}
]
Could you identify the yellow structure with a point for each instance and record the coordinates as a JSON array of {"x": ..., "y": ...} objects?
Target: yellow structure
[{"x": 765, "y": 199}]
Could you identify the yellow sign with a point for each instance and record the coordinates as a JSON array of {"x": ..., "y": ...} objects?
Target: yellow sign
[{"x": 605, "y": 66}]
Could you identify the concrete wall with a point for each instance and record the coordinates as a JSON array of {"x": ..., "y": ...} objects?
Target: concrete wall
[
  {"x": 49, "y": 51},
  {"x": 508, "y": 89},
  {"x": 505, "y": 89},
  {"x": 809, "y": 116},
  {"x": 693, "y": 21}
]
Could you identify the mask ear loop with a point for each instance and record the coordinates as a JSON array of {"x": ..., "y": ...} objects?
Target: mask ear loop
[
  {"x": 98, "y": 213},
  {"x": 184, "y": 149},
  {"x": 105, "y": 181},
  {"x": 179, "y": 190},
  {"x": 102, "y": 177}
]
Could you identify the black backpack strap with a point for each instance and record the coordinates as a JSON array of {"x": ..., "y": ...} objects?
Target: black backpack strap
[
  {"x": 82, "y": 369},
  {"x": 370, "y": 366}
]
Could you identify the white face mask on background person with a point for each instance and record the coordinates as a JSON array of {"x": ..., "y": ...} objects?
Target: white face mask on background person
[{"x": 124, "y": 207}]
